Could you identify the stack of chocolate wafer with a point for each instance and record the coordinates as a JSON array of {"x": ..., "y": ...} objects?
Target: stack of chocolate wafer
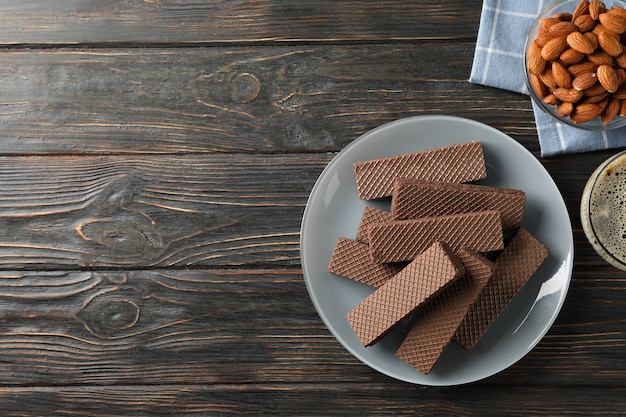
[{"x": 439, "y": 256}]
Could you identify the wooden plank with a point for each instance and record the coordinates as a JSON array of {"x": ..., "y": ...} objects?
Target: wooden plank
[
  {"x": 180, "y": 21},
  {"x": 156, "y": 327},
  {"x": 384, "y": 399},
  {"x": 71, "y": 212},
  {"x": 246, "y": 326},
  {"x": 265, "y": 99},
  {"x": 168, "y": 211}
]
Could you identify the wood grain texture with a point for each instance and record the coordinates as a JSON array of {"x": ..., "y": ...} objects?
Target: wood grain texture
[
  {"x": 380, "y": 399},
  {"x": 232, "y": 21},
  {"x": 134, "y": 327},
  {"x": 174, "y": 211},
  {"x": 245, "y": 326},
  {"x": 263, "y": 99}
]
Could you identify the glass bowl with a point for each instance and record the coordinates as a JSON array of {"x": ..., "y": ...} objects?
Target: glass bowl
[{"x": 565, "y": 8}]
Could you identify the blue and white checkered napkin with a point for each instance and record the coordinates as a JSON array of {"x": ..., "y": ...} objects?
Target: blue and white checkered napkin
[{"x": 498, "y": 62}]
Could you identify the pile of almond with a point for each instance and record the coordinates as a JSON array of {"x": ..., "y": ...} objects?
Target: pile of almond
[{"x": 578, "y": 62}]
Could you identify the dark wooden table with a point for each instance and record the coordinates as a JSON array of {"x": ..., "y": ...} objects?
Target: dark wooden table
[{"x": 155, "y": 160}]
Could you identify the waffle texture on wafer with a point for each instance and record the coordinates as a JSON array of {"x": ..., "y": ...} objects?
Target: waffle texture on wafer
[
  {"x": 371, "y": 215},
  {"x": 351, "y": 259},
  {"x": 455, "y": 163},
  {"x": 403, "y": 240},
  {"x": 422, "y": 279},
  {"x": 413, "y": 199},
  {"x": 440, "y": 317},
  {"x": 515, "y": 265}
]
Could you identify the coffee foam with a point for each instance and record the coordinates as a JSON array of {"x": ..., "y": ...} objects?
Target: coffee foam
[{"x": 603, "y": 210}]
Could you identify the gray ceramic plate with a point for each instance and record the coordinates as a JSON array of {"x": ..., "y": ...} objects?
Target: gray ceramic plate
[{"x": 334, "y": 210}]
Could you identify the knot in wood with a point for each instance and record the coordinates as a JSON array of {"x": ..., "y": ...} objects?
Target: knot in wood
[
  {"x": 119, "y": 314},
  {"x": 245, "y": 87},
  {"x": 107, "y": 317}
]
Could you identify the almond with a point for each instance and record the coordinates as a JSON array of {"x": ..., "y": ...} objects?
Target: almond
[
  {"x": 561, "y": 75},
  {"x": 548, "y": 22},
  {"x": 620, "y": 93},
  {"x": 613, "y": 22},
  {"x": 600, "y": 58},
  {"x": 621, "y": 75},
  {"x": 608, "y": 78},
  {"x": 568, "y": 94},
  {"x": 619, "y": 11},
  {"x": 544, "y": 36},
  {"x": 538, "y": 86},
  {"x": 609, "y": 44},
  {"x": 622, "y": 108},
  {"x": 599, "y": 28},
  {"x": 596, "y": 8},
  {"x": 576, "y": 41},
  {"x": 565, "y": 28},
  {"x": 582, "y": 67},
  {"x": 603, "y": 103},
  {"x": 595, "y": 98},
  {"x": 551, "y": 99},
  {"x": 584, "y": 113},
  {"x": 547, "y": 78},
  {"x": 564, "y": 109},
  {"x": 610, "y": 111},
  {"x": 536, "y": 63},
  {"x": 581, "y": 9},
  {"x": 584, "y": 23},
  {"x": 554, "y": 48},
  {"x": 621, "y": 60},
  {"x": 584, "y": 81},
  {"x": 571, "y": 56},
  {"x": 595, "y": 90},
  {"x": 593, "y": 38}
]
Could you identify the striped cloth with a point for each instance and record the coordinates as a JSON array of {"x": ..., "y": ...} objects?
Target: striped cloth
[{"x": 498, "y": 62}]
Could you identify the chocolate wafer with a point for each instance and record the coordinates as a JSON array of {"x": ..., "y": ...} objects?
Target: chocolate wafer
[
  {"x": 413, "y": 199},
  {"x": 403, "y": 240},
  {"x": 351, "y": 259},
  {"x": 515, "y": 265},
  {"x": 439, "y": 319},
  {"x": 423, "y": 278},
  {"x": 371, "y": 215},
  {"x": 455, "y": 163}
]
